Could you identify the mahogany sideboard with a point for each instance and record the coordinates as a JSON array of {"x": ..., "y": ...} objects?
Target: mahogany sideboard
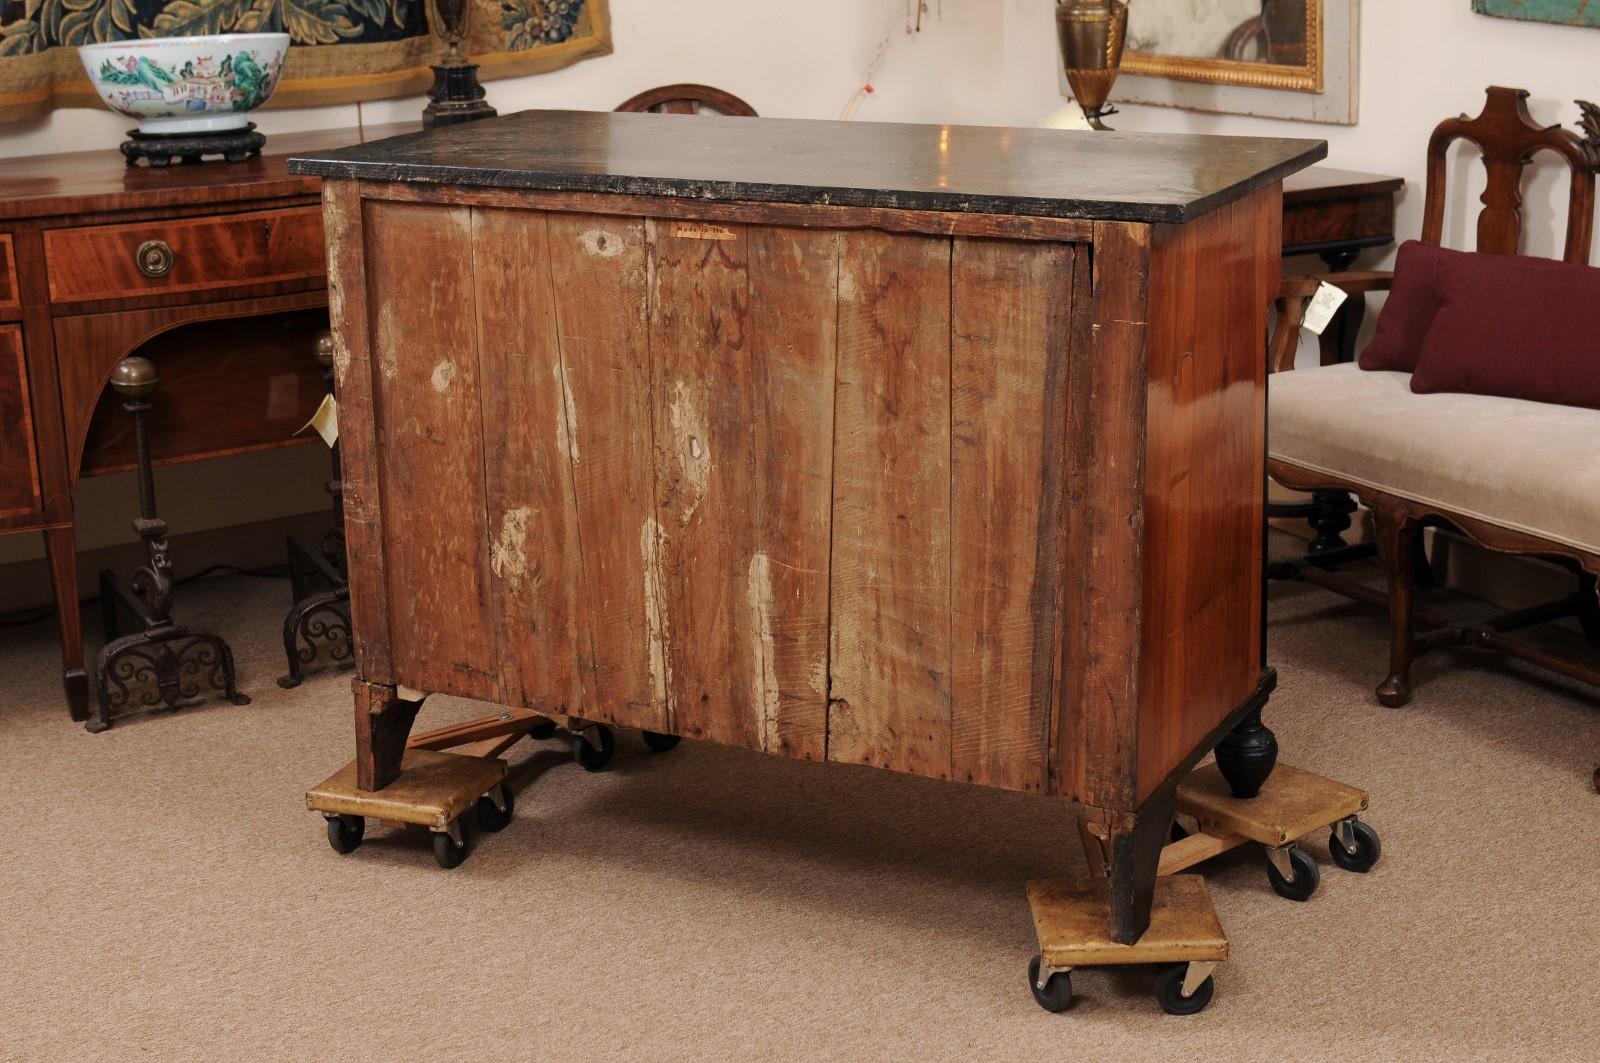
[
  {"x": 215, "y": 271},
  {"x": 932, "y": 448}
]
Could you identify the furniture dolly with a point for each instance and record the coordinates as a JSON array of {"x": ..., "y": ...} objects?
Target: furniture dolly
[
  {"x": 1185, "y": 937},
  {"x": 449, "y": 770}
]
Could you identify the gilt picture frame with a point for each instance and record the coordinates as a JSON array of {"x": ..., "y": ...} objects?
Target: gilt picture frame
[{"x": 1320, "y": 83}]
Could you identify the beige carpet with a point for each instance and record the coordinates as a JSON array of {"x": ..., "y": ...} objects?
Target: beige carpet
[{"x": 167, "y": 897}]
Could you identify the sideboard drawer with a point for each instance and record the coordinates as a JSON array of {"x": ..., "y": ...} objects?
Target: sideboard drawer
[
  {"x": 184, "y": 254},
  {"x": 19, "y": 472}
]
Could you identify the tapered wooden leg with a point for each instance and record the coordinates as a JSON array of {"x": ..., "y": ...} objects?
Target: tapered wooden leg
[
  {"x": 61, "y": 546},
  {"x": 1247, "y": 755},
  {"x": 1135, "y": 851},
  {"x": 1397, "y": 535},
  {"x": 383, "y": 723}
]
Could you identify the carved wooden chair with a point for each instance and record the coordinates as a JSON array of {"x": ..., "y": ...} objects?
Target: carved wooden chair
[
  {"x": 688, "y": 99},
  {"x": 1498, "y": 474}
]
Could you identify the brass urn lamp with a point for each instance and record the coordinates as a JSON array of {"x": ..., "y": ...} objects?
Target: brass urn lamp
[
  {"x": 1092, "y": 35},
  {"x": 456, "y": 95}
]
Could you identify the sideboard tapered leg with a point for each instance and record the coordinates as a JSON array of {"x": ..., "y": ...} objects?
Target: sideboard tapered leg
[
  {"x": 1247, "y": 755},
  {"x": 1135, "y": 853},
  {"x": 383, "y": 723}
]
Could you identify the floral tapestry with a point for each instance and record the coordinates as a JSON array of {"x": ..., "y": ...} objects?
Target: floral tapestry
[
  {"x": 342, "y": 50},
  {"x": 1569, "y": 12}
]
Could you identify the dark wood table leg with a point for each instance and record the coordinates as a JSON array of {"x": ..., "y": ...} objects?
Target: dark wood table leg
[
  {"x": 383, "y": 724},
  {"x": 61, "y": 546},
  {"x": 1135, "y": 854}
]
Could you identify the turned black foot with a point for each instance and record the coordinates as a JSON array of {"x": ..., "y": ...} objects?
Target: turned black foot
[
  {"x": 1247, "y": 756},
  {"x": 1330, "y": 521}
]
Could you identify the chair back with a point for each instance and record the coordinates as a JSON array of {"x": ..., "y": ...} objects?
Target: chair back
[
  {"x": 1509, "y": 139},
  {"x": 688, "y": 99}
]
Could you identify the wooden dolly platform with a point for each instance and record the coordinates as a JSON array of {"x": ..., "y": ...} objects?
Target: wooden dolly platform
[
  {"x": 1185, "y": 939},
  {"x": 436, "y": 788},
  {"x": 1291, "y": 805}
]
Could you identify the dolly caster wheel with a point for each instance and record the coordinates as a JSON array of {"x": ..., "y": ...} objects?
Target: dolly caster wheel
[
  {"x": 660, "y": 743},
  {"x": 1169, "y": 991},
  {"x": 1367, "y": 847},
  {"x": 542, "y": 731},
  {"x": 496, "y": 816},
  {"x": 1057, "y": 992},
  {"x": 1303, "y": 884},
  {"x": 345, "y": 833},
  {"x": 592, "y": 747},
  {"x": 447, "y": 851}
]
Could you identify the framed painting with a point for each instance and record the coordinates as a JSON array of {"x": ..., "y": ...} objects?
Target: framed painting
[{"x": 1564, "y": 12}]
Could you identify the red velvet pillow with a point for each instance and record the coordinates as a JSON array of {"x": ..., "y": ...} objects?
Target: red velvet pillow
[
  {"x": 1413, "y": 301},
  {"x": 1518, "y": 327}
]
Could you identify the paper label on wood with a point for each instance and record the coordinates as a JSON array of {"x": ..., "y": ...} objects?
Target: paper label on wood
[
  {"x": 1323, "y": 306},
  {"x": 701, "y": 231},
  {"x": 325, "y": 421}
]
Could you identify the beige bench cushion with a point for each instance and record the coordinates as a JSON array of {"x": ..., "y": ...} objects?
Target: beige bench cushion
[{"x": 1528, "y": 466}]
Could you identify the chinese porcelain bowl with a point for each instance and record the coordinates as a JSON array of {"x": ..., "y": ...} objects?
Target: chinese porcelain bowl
[{"x": 177, "y": 85}]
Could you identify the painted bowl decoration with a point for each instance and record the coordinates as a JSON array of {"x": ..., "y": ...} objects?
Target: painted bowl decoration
[{"x": 178, "y": 85}]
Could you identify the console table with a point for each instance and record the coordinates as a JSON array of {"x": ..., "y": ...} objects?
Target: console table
[
  {"x": 215, "y": 272},
  {"x": 931, "y": 448}
]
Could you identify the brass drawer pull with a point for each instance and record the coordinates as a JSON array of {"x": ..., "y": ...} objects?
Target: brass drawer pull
[{"x": 154, "y": 258}]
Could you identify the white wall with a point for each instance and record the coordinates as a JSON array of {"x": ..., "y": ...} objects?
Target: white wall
[{"x": 977, "y": 61}]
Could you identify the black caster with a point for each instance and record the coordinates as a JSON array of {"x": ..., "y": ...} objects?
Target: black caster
[
  {"x": 447, "y": 851},
  {"x": 1169, "y": 991},
  {"x": 658, "y": 742},
  {"x": 1056, "y": 993},
  {"x": 1304, "y": 870},
  {"x": 1367, "y": 847},
  {"x": 592, "y": 747},
  {"x": 542, "y": 731},
  {"x": 345, "y": 833},
  {"x": 494, "y": 816}
]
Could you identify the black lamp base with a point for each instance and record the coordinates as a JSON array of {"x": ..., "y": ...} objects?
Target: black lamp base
[{"x": 456, "y": 97}]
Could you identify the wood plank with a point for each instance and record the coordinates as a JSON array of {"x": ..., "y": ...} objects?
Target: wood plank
[
  {"x": 711, "y": 574},
  {"x": 890, "y": 626},
  {"x": 424, "y": 349},
  {"x": 536, "y": 592},
  {"x": 599, "y": 267},
  {"x": 1097, "y": 712},
  {"x": 788, "y": 215},
  {"x": 349, "y": 314},
  {"x": 1204, "y": 477},
  {"x": 1012, "y": 305},
  {"x": 794, "y": 322}
]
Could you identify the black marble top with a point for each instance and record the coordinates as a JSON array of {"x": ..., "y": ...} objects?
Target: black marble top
[{"x": 1146, "y": 177}]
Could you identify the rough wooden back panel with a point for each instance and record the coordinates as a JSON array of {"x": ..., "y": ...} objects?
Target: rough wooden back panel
[
  {"x": 790, "y": 489},
  {"x": 1210, "y": 285}
]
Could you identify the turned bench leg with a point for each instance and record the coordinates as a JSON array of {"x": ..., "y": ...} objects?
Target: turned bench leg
[{"x": 1398, "y": 535}]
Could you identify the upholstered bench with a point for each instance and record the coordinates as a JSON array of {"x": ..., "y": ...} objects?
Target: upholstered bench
[
  {"x": 1476, "y": 407},
  {"x": 1529, "y": 468}
]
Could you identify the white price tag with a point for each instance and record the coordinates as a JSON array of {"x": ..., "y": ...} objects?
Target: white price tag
[
  {"x": 1323, "y": 306},
  {"x": 325, "y": 420}
]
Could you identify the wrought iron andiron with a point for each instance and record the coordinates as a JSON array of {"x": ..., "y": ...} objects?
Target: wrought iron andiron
[
  {"x": 166, "y": 664},
  {"x": 320, "y": 616}
]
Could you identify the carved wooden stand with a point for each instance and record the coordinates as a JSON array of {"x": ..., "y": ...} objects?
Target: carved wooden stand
[
  {"x": 320, "y": 616},
  {"x": 166, "y": 664}
]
